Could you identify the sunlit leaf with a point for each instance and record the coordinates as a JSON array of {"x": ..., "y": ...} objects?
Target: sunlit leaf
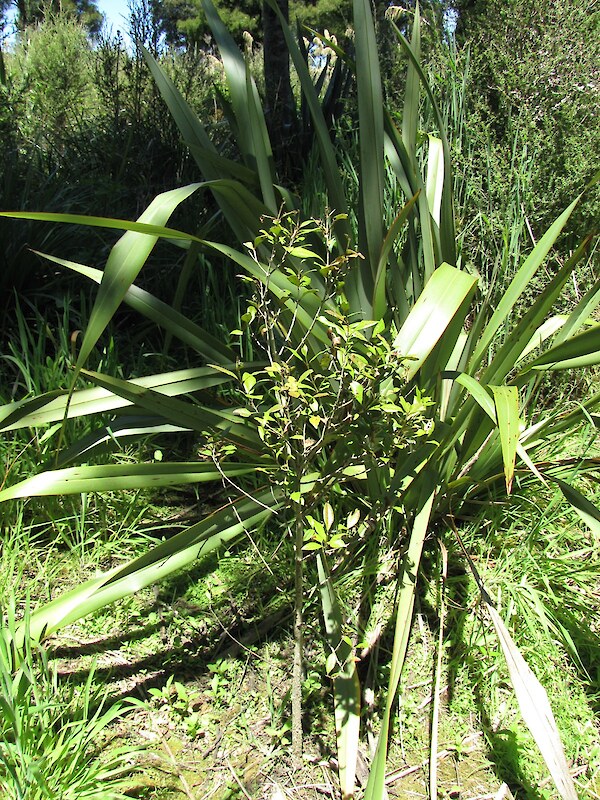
[
  {"x": 346, "y": 688},
  {"x": 536, "y": 710},
  {"x": 582, "y": 350},
  {"x": 506, "y": 401},
  {"x": 446, "y": 292},
  {"x": 109, "y": 477}
]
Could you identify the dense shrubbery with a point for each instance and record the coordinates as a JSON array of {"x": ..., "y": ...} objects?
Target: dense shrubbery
[
  {"x": 521, "y": 87},
  {"x": 84, "y": 130}
]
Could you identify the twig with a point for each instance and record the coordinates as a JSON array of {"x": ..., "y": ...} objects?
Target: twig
[
  {"x": 178, "y": 771},
  {"x": 237, "y": 780},
  {"x": 398, "y": 774}
]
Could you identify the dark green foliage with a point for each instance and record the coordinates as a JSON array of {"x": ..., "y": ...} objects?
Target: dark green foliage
[
  {"x": 184, "y": 21},
  {"x": 82, "y": 129},
  {"x": 533, "y": 97},
  {"x": 31, "y": 12}
]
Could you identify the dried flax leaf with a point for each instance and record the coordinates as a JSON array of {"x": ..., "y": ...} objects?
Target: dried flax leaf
[{"x": 535, "y": 708}]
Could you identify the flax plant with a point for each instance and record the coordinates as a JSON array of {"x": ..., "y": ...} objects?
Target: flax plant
[{"x": 472, "y": 372}]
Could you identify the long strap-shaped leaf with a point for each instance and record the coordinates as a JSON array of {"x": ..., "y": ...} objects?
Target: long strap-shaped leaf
[
  {"x": 507, "y": 355},
  {"x": 445, "y": 294},
  {"x": 535, "y": 708},
  {"x": 108, "y": 437},
  {"x": 221, "y": 527},
  {"x": 124, "y": 263},
  {"x": 518, "y": 285},
  {"x": 512, "y": 439},
  {"x": 212, "y": 165},
  {"x": 179, "y": 412},
  {"x": 304, "y": 304},
  {"x": 531, "y": 695},
  {"x": 506, "y": 401},
  {"x": 587, "y": 511},
  {"x": 582, "y": 350},
  {"x": 376, "y": 785},
  {"x": 520, "y": 335},
  {"x": 251, "y": 126},
  {"x": 110, "y": 477},
  {"x": 446, "y": 227},
  {"x": 162, "y": 314},
  {"x": 346, "y": 688},
  {"x": 331, "y": 172},
  {"x": 370, "y": 132},
  {"x": 380, "y": 303},
  {"x": 51, "y": 407},
  {"x": 410, "y": 118},
  {"x": 185, "y": 118}
]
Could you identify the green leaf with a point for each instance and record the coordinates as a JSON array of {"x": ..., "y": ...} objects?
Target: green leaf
[
  {"x": 446, "y": 292},
  {"x": 518, "y": 285},
  {"x": 250, "y": 121},
  {"x": 546, "y": 330},
  {"x": 162, "y": 314},
  {"x": 125, "y": 261},
  {"x": 536, "y": 710},
  {"x": 15, "y": 415},
  {"x": 447, "y": 233},
  {"x": 222, "y": 527},
  {"x": 412, "y": 91},
  {"x": 586, "y": 510},
  {"x": 185, "y": 118},
  {"x": 375, "y": 789},
  {"x": 583, "y": 313},
  {"x": 435, "y": 177},
  {"x": 379, "y": 290},
  {"x": 179, "y": 412},
  {"x": 107, "y": 438},
  {"x": 203, "y": 150},
  {"x": 370, "y": 131},
  {"x": 506, "y": 400},
  {"x": 519, "y": 337},
  {"x": 355, "y": 471},
  {"x": 328, "y": 516},
  {"x": 346, "y": 688},
  {"x": 35, "y": 413},
  {"x": 581, "y": 350},
  {"x": 305, "y": 305},
  {"x": 331, "y": 171},
  {"x": 147, "y": 228},
  {"x": 479, "y": 393},
  {"x": 75, "y": 480}
]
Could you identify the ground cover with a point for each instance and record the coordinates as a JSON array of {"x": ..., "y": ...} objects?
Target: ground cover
[
  {"x": 207, "y": 656},
  {"x": 388, "y": 492}
]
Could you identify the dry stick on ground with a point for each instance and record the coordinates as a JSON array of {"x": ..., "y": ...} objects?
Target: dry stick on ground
[
  {"x": 398, "y": 774},
  {"x": 237, "y": 780},
  {"x": 178, "y": 771}
]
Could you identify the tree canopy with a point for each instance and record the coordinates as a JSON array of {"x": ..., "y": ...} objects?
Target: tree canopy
[
  {"x": 29, "y": 12},
  {"x": 184, "y": 20}
]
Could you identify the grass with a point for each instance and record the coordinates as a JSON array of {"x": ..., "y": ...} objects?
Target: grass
[
  {"x": 214, "y": 711},
  {"x": 51, "y": 732},
  {"x": 207, "y": 658}
]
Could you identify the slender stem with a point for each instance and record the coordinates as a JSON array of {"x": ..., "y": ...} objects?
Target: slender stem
[
  {"x": 298, "y": 639},
  {"x": 435, "y": 710}
]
